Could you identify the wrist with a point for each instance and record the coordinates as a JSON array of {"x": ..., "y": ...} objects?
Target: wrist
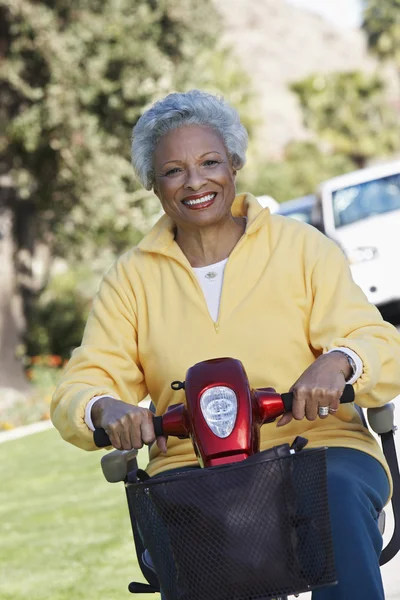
[
  {"x": 342, "y": 361},
  {"x": 98, "y": 409}
]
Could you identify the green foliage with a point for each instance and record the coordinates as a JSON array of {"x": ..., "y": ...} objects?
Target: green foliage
[
  {"x": 303, "y": 168},
  {"x": 60, "y": 314},
  {"x": 350, "y": 113},
  {"x": 382, "y": 26},
  {"x": 77, "y": 76}
]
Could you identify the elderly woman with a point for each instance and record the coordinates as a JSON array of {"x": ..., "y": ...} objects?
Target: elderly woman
[{"x": 220, "y": 276}]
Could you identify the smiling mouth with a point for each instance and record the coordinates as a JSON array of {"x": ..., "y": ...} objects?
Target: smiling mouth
[{"x": 202, "y": 202}]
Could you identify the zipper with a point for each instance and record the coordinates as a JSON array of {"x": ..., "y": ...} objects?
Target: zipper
[
  {"x": 197, "y": 284},
  {"x": 217, "y": 324}
]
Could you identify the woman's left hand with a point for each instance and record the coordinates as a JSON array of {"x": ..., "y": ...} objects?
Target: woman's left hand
[{"x": 322, "y": 384}]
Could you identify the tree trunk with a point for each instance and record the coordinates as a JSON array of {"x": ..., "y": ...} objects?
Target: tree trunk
[
  {"x": 359, "y": 160},
  {"x": 12, "y": 322},
  {"x": 32, "y": 259}
]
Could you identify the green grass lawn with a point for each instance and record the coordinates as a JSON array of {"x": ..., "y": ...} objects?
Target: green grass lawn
[{"x": 65, "y": 531}]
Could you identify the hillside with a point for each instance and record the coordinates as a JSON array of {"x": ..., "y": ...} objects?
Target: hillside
[{"x": 277, "y": 44}]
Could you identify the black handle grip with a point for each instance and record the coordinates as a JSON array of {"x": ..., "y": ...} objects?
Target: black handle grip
[
  {"x": 158, "y": 426},
  {"x": 102, "y": 440},
  {"x": 346, "y": 398}
]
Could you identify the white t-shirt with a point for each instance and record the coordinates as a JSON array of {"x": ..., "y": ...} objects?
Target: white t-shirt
[{"x": 211, "y": 279}]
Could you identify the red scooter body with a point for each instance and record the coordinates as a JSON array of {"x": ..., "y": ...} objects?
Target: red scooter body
[
  {"x": 218, "y": 392},
  {"x": 223, "y": 415}
]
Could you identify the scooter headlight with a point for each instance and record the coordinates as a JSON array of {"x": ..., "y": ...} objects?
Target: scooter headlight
[{"x": 219, "y": 407}]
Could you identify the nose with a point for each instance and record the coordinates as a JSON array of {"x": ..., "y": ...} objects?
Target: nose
[{"x": 195, "y": 179}]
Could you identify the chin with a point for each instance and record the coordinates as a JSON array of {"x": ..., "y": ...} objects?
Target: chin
[{"x": 202, "y": 221}]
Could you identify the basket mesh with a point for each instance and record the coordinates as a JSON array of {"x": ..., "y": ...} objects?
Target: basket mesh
[{"x": 247, "y": 531}]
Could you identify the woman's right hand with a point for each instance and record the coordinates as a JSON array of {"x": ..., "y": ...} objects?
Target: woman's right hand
[{"x": 127, "y": 426}]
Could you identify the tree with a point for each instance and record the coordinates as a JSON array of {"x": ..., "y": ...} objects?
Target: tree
[
  {"x": 381, "y": 24},
  {"x": 349, "y": 112},
  {"x": 304, "y": 166},
  {"x": 76, "y": 76}
]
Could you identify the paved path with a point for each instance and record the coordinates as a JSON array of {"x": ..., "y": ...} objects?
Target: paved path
[{"x": 20, "y": 432}]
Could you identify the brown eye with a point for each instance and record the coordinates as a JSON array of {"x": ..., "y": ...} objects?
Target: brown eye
[{"x": 172, "y": 171}]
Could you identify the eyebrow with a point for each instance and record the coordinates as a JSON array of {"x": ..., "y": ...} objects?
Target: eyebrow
[{"x": 202, "y": 156}]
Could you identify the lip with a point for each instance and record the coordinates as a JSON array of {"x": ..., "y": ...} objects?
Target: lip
[
  {"x": 197, "y": 196},
  {"x": 200, "y": 205}
]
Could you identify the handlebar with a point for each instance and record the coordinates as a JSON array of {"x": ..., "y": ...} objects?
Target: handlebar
[
  {"x": 102, "y": 440},
  {"x": 346, "y": 398}
]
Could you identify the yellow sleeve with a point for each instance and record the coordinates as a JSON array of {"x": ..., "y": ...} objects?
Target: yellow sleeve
[
  {"x": 106, "y": 362},
  {"x": 342, "y": 316}
]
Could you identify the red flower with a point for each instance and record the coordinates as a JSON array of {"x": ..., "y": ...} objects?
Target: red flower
[{"x": 54, "y": 360}]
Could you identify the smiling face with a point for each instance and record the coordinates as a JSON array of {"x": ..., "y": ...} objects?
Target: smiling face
[{"x": 194, "y": 179}]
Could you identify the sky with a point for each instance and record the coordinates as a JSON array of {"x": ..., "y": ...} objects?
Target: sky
[{"x": 344, "y": 13}]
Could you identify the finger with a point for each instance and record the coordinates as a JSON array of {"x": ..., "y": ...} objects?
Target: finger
[
  {"x": 147, "y": 428},
  {"x": 323, "y": 416},
  {"x": 312, "y": 404},
  {"x": 329, "y": 399},
  {"x": 135, "y": 436},
  {"x": 299, "y": 403},
  {"x": 124, "y": 431},
  {"x": 135, "y": 431},
  {"x": 162, "y": 444},
  {"x": 285, "y": 419},
  {"x": 128, "y": 428},
  {"x": 335, "y": 402},
  {"x": 114, "y": 438}
]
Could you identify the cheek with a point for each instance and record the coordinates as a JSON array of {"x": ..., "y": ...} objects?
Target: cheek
[
  {"x": 230, "y": 180},
  {"x": 166, "y": 195},
  {"x": 228, "y": 174},
  {"x": 163, "y": 191}
]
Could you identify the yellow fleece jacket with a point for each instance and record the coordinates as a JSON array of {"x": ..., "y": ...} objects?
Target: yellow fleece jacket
[{"x": 287, "y": 297}]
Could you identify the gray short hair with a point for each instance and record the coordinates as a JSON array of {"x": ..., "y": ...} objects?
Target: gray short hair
[{"x": 190, "y": 108}]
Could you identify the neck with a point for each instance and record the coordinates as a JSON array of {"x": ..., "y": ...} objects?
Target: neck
[{"x": 210, "y": 245}]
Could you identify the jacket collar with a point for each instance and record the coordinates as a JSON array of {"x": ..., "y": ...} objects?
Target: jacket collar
[{"x": 161, "y": 236}]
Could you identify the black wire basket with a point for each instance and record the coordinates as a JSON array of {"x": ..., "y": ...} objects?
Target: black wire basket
[{"x": 248, "y": 531}]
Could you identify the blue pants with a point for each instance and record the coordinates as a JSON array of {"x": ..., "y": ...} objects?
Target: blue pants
[{"x": 358, "y": 488}]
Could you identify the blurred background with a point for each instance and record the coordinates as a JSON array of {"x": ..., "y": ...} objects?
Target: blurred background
[{"x": 317, "y": 84}]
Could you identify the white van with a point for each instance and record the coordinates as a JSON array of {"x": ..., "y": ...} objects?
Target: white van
[{"x": 361, "y": 212}]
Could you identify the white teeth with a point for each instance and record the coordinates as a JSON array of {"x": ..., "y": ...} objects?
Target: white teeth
[{"x": 199, "y": 200}]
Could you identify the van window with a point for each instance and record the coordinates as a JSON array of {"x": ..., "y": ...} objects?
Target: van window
[
  {"x": 365, "y": 200},
  {"x": 304, "y": 215}
]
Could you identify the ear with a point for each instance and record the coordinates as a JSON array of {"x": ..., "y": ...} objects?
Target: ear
[
  {"x": 234, "y": 171},
  {"x": 156, "y": 191}
]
